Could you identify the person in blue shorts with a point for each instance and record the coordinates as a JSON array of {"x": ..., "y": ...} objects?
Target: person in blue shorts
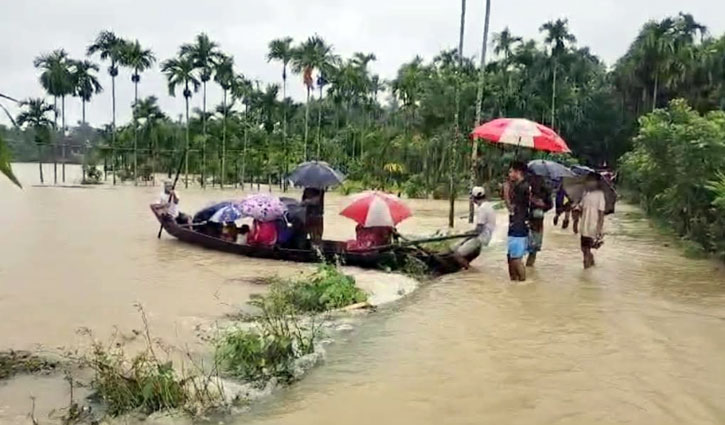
[{"x": 517, "y": 194}]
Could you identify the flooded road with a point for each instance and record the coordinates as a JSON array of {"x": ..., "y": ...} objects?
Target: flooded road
[{"x": 639, "y": 339}]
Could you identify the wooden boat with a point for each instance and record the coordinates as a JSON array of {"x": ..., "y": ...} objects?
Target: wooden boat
[{"x": 391, "y": 257}]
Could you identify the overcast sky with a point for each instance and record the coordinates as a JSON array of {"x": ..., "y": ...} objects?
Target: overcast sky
[{"x": 395, "y": 30}]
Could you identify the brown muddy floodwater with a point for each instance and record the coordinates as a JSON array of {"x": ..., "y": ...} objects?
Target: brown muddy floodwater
[{"x": 640, "y": 339}]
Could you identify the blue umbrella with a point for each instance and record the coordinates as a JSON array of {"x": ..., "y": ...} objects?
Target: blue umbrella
[
  {"x": 206, "y": 213},
  {"x": 316, "y": 174},
  {"x": 226, "y": 214},
  {"x": 549, "y": 169}
]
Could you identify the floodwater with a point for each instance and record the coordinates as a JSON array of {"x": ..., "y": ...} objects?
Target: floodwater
[{"x": 639, "y": 339}]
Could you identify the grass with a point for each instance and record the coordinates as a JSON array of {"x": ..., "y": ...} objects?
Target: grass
[{"x": 15, "y": 362}]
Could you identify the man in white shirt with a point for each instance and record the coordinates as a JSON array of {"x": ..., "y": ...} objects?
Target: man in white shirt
[
  {"x": 591, "y": 225},
  {"x": 485, "y": 222},
  {"x": 170, "y": 201}
]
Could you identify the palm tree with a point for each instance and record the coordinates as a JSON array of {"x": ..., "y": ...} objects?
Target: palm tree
[
  {"x": 204, "y": 54},
  {"x": 57, "y": 80},
  {"x": 281, "y": 50},
  {"x": 110, "y": 47},
  {"x": 224, "y": 76},
  {"x": 138, "y": 59},
  {"x": 85, "y": 82},
  {"x": 180, "y": 71},
  {"x": 148, "y": 111},
  {"x": 557, "y": 37},
  {"x": 503, "y": 42},
  {"x": 479, "y": 101},
  {"x": 34, "y": 116},
  {"x": 313, "y": 54},
  {"x": 242, "y": 89}
]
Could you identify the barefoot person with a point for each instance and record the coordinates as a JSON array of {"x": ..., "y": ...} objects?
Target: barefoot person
[
  {"x": 592, "y": 207},
  {"x": 518, "y": 234},
  {"x": 485, "y": 221}
]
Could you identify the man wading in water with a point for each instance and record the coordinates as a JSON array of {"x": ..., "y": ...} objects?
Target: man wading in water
[
  {"x": 593, "y": 206},
  {"x": 516, "y": 194}
]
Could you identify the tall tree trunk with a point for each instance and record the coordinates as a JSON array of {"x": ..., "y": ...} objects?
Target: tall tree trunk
[
  {"x": 83, "y": 108},
  {"x": 244, "y": 152},
  {"x": 40, "y": 162},
  {"x": 186, "y": 148},
  {"x": 62, "y": 146},
  {"x": 203, "y": 142},
  {"x": 479, "y": 104},
  {"x": 457, "y": 127},
  {"x": 654, "y": 92},
  {"x": 135, "y": 133},
  {"x": 553, "y": 97},
  {"x": 307, "y": 120},
  {"x": 224, "y": 140},
  {"x": 284, "y": 128},
  {"x": 113, "y": 125},
  {"x": 319, "y": 124}
]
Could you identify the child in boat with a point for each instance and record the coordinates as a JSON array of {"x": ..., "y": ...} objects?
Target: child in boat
[
  {"x": 229, "y": 232},
  {"x": 263, "y": 233},
  {"x": 242, "y": 234},
  {"x": 370, "y": 237}
]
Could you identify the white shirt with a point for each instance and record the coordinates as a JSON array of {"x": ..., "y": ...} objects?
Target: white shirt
[
  {"x": 485, "y": 216},
  {"x": 592, "y": 204},
  {"x": 171, "y": 207}
]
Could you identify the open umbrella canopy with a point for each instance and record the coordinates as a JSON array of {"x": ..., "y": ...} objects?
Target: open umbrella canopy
[
  {"x": 575, "y": 188},
  {"x": 207, "y": 213},
  {"x": 226, "y": 214},
  {"x": 262, "y": 207},
  {"x": 549, "y": 169},
  {"x": 316, "y": 174},
  {"x": 582, "y": 170},
  {"x": 521, "y": 132},
  {"x": 373, "y": 208}
]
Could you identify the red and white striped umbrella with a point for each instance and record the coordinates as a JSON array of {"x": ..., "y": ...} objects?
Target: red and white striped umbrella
[
  {"x": 375, "y": 208},
  {"x": 521, "y": 132}
]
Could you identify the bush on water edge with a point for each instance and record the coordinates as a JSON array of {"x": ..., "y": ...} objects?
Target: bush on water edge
[
  {"x": 281, "y": 334},
  {"x": 677, "y": 172}
]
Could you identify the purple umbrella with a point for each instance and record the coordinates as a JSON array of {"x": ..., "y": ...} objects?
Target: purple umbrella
[{"x": 262, "y": 207}]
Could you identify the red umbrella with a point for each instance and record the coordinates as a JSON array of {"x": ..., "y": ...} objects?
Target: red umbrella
[
  {"x": 375, "y": 208},
  {"x": 521, "y": 132}
]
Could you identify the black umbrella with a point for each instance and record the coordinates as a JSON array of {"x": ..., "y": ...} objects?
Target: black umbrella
[
  {"x": 582, "y": 170},
  {"x": 316, "y": 174},
  {"x": 549, "y": 169}
]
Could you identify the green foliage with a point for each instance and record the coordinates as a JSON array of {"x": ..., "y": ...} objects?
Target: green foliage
[
  {"x": 141, "y": 383},
  {"x": 676, "y": 171},
  {"x": 415, "y": 187},
  {"x": 326, "y": 289},
  {"x": 5, "y": 160},
  {"x": 352, "y": 186},
  {"x": 253, "y": 356}
]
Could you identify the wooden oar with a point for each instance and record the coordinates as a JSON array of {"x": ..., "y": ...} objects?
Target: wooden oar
[{"x": 176, "y": 179}]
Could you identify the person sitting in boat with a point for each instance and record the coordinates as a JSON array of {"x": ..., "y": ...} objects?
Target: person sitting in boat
[
  {"x": 243, "y": 234},
  {"x": 313, "y": 200},
  {"x": 169, "y": 200},
  {"x": 263, "y": 233},
  {"x": 229, "y": 232},
  {"x": 370, "y": 237}
]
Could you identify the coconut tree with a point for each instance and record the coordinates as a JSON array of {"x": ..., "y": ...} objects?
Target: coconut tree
[
  {"x": 110, "y": 47},
  {"x": 138, "y": 60},
  {"x": 150, "y": 115},
  {"x": 281, "y": 50},
  {"x": 86, "y": 83},
  {"x": 242, "y": 90},
  {"x": 313, "y": 54},
  {"x": 479, "y": 100},
  {"x": 34, "y": 116},
  {"x": 557, "y": 36},
  {"x": 180, "y": 71},
  {"x": 204, "y": 54},
  {"x": 57, "y": 80},
  {"x": 224, "y": 76}
]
